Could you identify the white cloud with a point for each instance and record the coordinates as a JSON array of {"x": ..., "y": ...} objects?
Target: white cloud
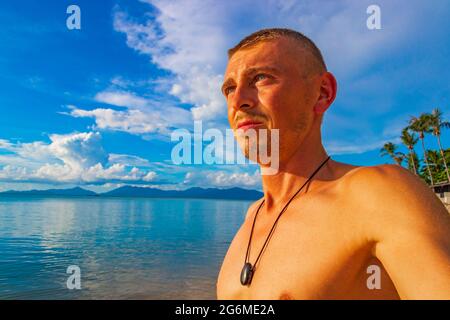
[
  {"x": 132, "y": 121},
  {"x": 139, "y": 117},
  {"x": 193, "y": 35},
  {"x": 13, "y": 173},
  {"x": 149, "y": 176},
  {"x": 121, "y": 99},
  {"x": 221, "y": 178},
  {"x": 5, "y": 144},
  {"x": 69, "y": 158},
  {"x": 354, "y": 147},
  {"x": 78, "y": 150},
  {"x": 129, "y": 160}
]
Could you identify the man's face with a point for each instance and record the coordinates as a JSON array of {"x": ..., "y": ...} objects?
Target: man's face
[{"x": 272, "y": 84}]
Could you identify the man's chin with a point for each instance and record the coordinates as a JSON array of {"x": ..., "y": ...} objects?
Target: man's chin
[{"x": 255, "y": 151}]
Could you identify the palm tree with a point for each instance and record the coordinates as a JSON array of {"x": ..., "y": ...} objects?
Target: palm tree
[
  {"x": 436, "y": 166},
  {"x": 436, "y": 124},
  {"x": 399, "y": 158},
  {"x": 414, "y": 163},
  {"x": 409, "y": 140},
  {"x": 389, "y": 150},
  {"x": 421, "y": 125}
]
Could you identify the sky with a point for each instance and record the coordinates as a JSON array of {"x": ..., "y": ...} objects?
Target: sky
[{"x": 95, "y": 107}]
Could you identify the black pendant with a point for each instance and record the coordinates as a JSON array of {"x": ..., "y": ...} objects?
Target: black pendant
[{"x": 246, "y": 274}]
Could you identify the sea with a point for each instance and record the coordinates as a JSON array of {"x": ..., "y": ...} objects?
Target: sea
[{"x": 114, "y": 248}]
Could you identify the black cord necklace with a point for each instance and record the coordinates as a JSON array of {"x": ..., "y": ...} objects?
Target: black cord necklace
[{"x": 248, "y": 270}]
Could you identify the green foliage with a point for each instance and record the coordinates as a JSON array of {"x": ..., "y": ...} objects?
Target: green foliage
[
  {"x": 432, "y": 167},
  {"x": 437, "y": 167},
  {"x": 413, "y": 165}
]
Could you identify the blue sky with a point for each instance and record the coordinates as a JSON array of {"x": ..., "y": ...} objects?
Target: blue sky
[{"x": 95, "y": 107}]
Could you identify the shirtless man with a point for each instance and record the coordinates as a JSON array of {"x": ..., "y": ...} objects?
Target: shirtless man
[{"x": 349, "y": 223}]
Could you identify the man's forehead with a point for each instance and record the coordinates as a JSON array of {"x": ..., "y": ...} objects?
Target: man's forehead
[{"x": 276, "y": 53}]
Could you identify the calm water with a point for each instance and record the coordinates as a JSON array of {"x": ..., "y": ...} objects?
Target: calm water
[{"x": 126, "y": 248}]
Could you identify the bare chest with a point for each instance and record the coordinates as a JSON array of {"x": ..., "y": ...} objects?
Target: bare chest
[{"x": 317, "y": 256}]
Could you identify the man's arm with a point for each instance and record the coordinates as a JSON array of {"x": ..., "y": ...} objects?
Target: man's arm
[{"x": 411, "y": 230}]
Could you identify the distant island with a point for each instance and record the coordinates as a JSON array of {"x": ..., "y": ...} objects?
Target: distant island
[{"x": 143, "y": 192}]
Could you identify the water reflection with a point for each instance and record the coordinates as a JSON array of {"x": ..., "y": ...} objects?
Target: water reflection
[{"x": 126, "y": 248}]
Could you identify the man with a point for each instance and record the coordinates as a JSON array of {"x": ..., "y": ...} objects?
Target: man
[{"x": 353, "y": 232}]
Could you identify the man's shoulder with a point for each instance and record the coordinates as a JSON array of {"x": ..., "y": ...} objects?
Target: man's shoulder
[
  {"x": 383, "y": 178},
  {"x": 390, "y": 190},
  {"x": 390, "y": 202}
]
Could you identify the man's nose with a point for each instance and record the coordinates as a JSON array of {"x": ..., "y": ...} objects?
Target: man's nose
[{"x": 243, "y": 98}]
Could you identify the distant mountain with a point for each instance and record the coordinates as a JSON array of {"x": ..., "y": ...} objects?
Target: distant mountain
[
  {"x": 209, "y": 193},
  {"x": 130, "y": 191},
  {"x": 52, "y": 192}
]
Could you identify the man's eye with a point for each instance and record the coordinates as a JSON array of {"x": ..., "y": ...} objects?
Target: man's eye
[
  {"x": 260, "y": 76},
  {"x": 228, "y": 90}
]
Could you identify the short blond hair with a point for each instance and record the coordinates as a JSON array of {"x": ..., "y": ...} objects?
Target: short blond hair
[{"x": 276, "y": 33}]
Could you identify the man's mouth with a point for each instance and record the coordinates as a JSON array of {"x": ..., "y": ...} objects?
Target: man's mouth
[{"x": 248, "y": 124}]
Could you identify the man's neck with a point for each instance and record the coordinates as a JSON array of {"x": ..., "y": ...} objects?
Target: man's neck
[{"x": 293, "y": 173}]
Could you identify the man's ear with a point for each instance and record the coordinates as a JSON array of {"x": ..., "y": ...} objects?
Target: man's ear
[{"x": 328, "y": 89}]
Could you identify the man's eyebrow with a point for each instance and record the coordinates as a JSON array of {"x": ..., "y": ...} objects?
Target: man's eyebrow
[
  {"x": 253, "y": 70},
  {"x": 248, "y": 72}
]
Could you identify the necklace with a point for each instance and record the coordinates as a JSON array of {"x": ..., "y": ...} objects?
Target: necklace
[{"x": 249, "y": 270}]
